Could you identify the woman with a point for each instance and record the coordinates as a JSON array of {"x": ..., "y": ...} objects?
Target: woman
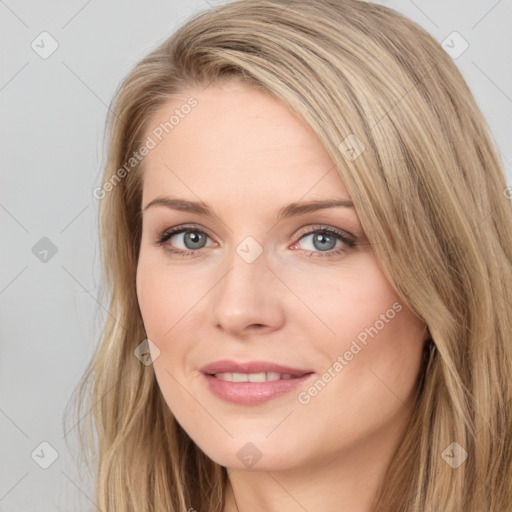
[{"x": 306, "y": 242}]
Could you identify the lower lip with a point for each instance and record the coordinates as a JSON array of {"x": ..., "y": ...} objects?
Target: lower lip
[{"x": 253, "y": 393}]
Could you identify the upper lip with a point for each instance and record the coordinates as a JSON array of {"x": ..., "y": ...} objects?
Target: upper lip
[{"x": 226, "y": 366}]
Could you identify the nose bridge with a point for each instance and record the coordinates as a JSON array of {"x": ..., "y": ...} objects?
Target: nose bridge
[{"x": 248, "y": 293}]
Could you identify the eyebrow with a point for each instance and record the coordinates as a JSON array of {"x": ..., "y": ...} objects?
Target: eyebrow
[{"x": 201, "y": 208}]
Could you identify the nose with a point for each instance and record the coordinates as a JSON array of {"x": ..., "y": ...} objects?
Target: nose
[{"x": 248, "y": 298}]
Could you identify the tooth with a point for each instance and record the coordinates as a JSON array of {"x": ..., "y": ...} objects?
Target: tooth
[
  {"x": 257, "y": 377},
  {"x": 253, "y": 377},
  {"x": 224, "y": 376}
]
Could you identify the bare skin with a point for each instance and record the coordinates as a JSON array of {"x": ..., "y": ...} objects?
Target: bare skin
[{"x": 302, "y": 302}]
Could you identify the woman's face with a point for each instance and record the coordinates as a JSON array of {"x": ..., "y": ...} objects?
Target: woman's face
[{"x": 267, "y": 281}]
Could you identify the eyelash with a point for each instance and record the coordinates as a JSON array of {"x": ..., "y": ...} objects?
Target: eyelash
[{"x": 349, "y": 242}]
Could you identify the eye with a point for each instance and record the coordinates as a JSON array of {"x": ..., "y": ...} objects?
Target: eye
[
  {"x": 191, "y": 239},
  {"x": 324, "y": 242}
]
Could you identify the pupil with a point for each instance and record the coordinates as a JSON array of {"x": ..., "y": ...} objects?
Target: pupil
[
  {"x": 195, "y": 240},
  {"x": 321, "y": 238}
]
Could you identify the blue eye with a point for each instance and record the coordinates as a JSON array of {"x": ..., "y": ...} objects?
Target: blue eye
[
  {"x": 193, "y": 240},
  {"x": 325, "y": 242}
]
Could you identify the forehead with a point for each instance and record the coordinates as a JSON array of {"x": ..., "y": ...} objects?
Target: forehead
[{"x": 240, "y": 139}]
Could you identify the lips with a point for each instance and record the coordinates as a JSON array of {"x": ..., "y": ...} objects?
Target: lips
[
  {"x": 252, "y": 383},
  {"x": 227, "y": 366}
]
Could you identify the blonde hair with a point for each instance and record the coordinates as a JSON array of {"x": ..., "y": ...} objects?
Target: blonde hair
[{"x": 429, "y": 190}]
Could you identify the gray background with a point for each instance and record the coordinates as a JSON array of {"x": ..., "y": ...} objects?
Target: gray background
[{"x": 53, "y": 113}]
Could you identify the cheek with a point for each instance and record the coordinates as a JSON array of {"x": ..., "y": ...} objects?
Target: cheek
[
  {"x": 152, "y": 303},
  {"x": 163, "y": 296},
  {"x": 163, "y": 302},
  {"x": 376, "y": 341},
  {"x": 378, "y": 336},
  {"x": 345, "y": 302}
]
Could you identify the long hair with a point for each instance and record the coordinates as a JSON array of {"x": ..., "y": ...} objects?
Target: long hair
[{"x": 429, "y": 189}]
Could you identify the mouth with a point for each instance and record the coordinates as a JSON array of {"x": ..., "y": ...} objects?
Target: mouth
[
  {"x": 253, "y": 377},
  {"x": 253, "y": 382},
  {"x": 255, "y": 369}
]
